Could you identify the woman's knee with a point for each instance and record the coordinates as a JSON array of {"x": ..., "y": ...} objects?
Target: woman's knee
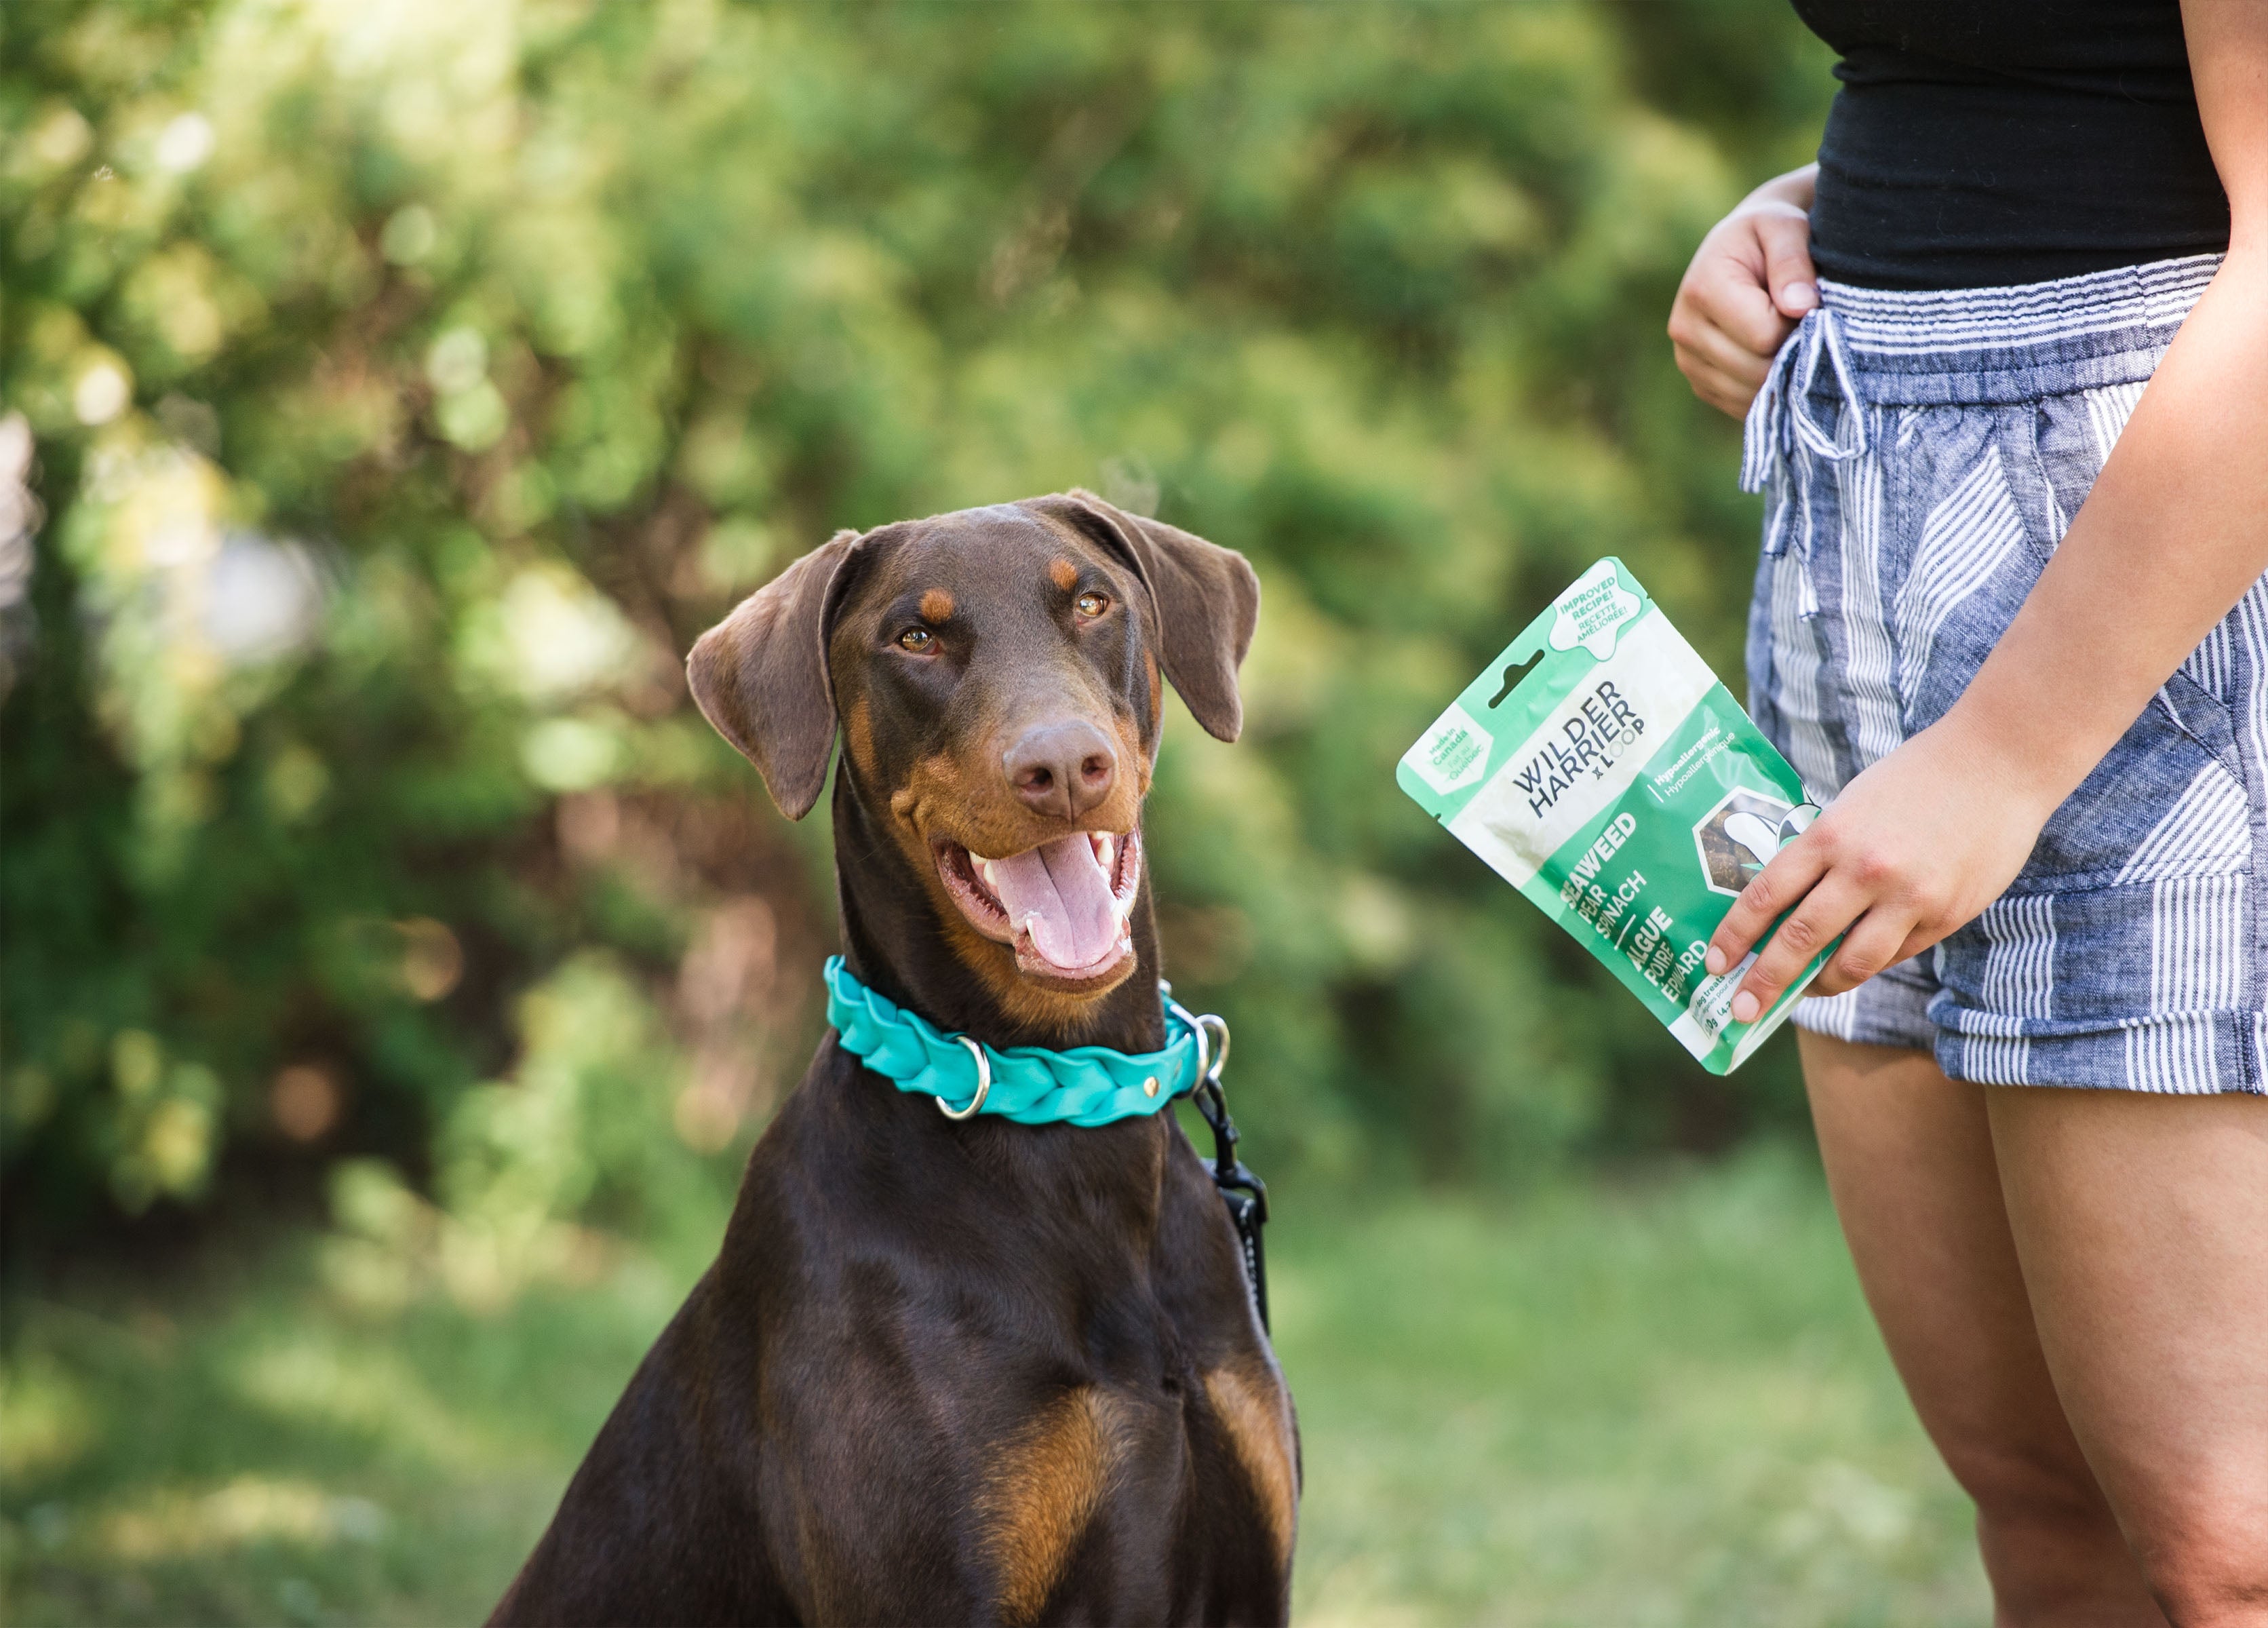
[
  {"x": 2050, "y": 1542},
  {"x": 2205, "y": 1556}
]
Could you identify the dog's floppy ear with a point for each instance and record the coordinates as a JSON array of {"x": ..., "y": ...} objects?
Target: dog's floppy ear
[
  {"x": 761, "y": 677},
  {"x": 1206, "y": 596}
]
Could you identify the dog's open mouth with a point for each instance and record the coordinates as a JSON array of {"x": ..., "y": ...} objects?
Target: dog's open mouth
[{"x": 1062, "y": 904}]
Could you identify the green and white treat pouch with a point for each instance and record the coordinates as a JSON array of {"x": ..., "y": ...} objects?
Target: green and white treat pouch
[{"x": 1620, "y": 787}]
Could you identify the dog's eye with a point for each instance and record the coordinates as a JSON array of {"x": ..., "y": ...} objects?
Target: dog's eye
[
  {"x": 917, "y": 640},
  {"x": 1091, "y": 605}
]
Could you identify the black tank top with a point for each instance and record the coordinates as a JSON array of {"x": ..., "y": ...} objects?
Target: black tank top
[{"x": 1978, "y": 143}]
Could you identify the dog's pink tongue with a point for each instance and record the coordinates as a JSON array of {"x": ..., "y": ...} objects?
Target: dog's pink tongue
[{"x": 1058, "y": 892}]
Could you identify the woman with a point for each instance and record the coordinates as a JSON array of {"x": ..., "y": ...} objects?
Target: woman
[{"x": 2033, "y": 673}]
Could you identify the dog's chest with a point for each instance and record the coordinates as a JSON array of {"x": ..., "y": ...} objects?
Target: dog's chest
[{"x": 1190, "y": 1484}]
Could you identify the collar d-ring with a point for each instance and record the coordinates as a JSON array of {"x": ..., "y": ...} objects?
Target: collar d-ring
[
  {"x": 983, "y": 1083},
  {"x": 1213, "y": 1024}
]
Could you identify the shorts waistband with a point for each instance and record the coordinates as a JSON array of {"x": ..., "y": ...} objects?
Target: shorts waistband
[
  {"x": 1868, "y": 347},
  {"x": 1940, "y": 329}
]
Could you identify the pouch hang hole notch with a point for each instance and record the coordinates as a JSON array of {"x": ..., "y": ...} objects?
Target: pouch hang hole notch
[{"x": 1511, "y": 672}]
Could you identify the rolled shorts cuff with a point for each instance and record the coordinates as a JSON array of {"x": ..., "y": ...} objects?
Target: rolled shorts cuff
[
  {"x": 1890, "y": 1009},
  {"x": 2181, "y": 1054},
  {"x": 2185, "y": 1054}
]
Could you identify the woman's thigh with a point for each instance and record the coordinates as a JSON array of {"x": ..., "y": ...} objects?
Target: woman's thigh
[
  {"x": 2142, "y": 1225},
  {"x": 1911, "y": 1163}
]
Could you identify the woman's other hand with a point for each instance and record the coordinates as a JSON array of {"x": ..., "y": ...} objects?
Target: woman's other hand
[{"x": 1750, "y": 284}]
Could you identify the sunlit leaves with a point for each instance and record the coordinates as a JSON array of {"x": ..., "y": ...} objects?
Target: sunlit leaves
[{"x": 477, "y": 354}]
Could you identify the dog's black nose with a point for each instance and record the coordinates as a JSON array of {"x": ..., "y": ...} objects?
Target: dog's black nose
[{"x": 1062, "y": 768}]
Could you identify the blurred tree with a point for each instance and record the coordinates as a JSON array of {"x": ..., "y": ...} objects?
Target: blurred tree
[{"x": 410, "y": 383}]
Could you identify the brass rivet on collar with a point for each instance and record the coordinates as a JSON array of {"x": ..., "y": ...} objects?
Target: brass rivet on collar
[{"x": 1150, "y": 1086}]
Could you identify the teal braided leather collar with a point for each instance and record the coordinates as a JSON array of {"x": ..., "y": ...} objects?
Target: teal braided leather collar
[{"x": 1031, "y": 1085}]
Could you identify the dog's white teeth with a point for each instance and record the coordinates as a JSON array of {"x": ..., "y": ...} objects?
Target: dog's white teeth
[
  {"x": 988, "y": 871},
  {"x": 1106, "y": 850}
]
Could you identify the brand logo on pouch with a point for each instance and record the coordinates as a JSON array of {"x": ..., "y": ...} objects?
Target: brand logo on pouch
[
  {"x": 1590, "y": 742},
  {"x": 1742, "y": 834}
]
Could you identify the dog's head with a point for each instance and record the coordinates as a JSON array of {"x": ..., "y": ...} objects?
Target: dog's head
[{"x": 995, "y": 673}]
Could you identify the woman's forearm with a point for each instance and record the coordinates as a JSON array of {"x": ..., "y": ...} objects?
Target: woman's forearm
[
  {"x": 2173, "y": 531},
  {"x": 2176, "y": 528}
]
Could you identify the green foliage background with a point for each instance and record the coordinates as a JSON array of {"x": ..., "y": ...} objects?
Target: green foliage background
[{"x": 410, "y": 383}]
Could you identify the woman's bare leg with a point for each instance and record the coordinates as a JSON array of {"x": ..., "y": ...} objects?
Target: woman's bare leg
[
  {"x": 2142, "y": 1225},
  {"x": 1910, "y": 1162}
]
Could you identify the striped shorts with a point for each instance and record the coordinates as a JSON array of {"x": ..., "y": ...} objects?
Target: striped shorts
[{"x": 1921, "y": 454}]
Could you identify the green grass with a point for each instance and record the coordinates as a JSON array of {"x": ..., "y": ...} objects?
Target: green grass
[
  {"x": 1654, "y": 1404},
  {"x": 1651, "y": 1404}
]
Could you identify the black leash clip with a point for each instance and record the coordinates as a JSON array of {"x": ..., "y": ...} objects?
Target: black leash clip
[{"x": 1245, "y": 1194}]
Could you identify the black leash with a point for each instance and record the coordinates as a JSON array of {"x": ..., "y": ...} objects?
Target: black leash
[{"x": 1245, "y": 1194}]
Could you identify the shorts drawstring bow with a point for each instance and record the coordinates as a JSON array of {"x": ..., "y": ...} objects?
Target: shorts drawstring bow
[{"x": 1780, "y": 419}]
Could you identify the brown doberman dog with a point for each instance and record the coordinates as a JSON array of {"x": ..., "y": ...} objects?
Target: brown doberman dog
[{"x": 976, "y": 1371}]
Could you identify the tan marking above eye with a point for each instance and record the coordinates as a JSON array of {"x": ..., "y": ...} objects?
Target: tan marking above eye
[
  {"x": 1063, "y": 574},
  {"x": 936, "y": 605}
]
